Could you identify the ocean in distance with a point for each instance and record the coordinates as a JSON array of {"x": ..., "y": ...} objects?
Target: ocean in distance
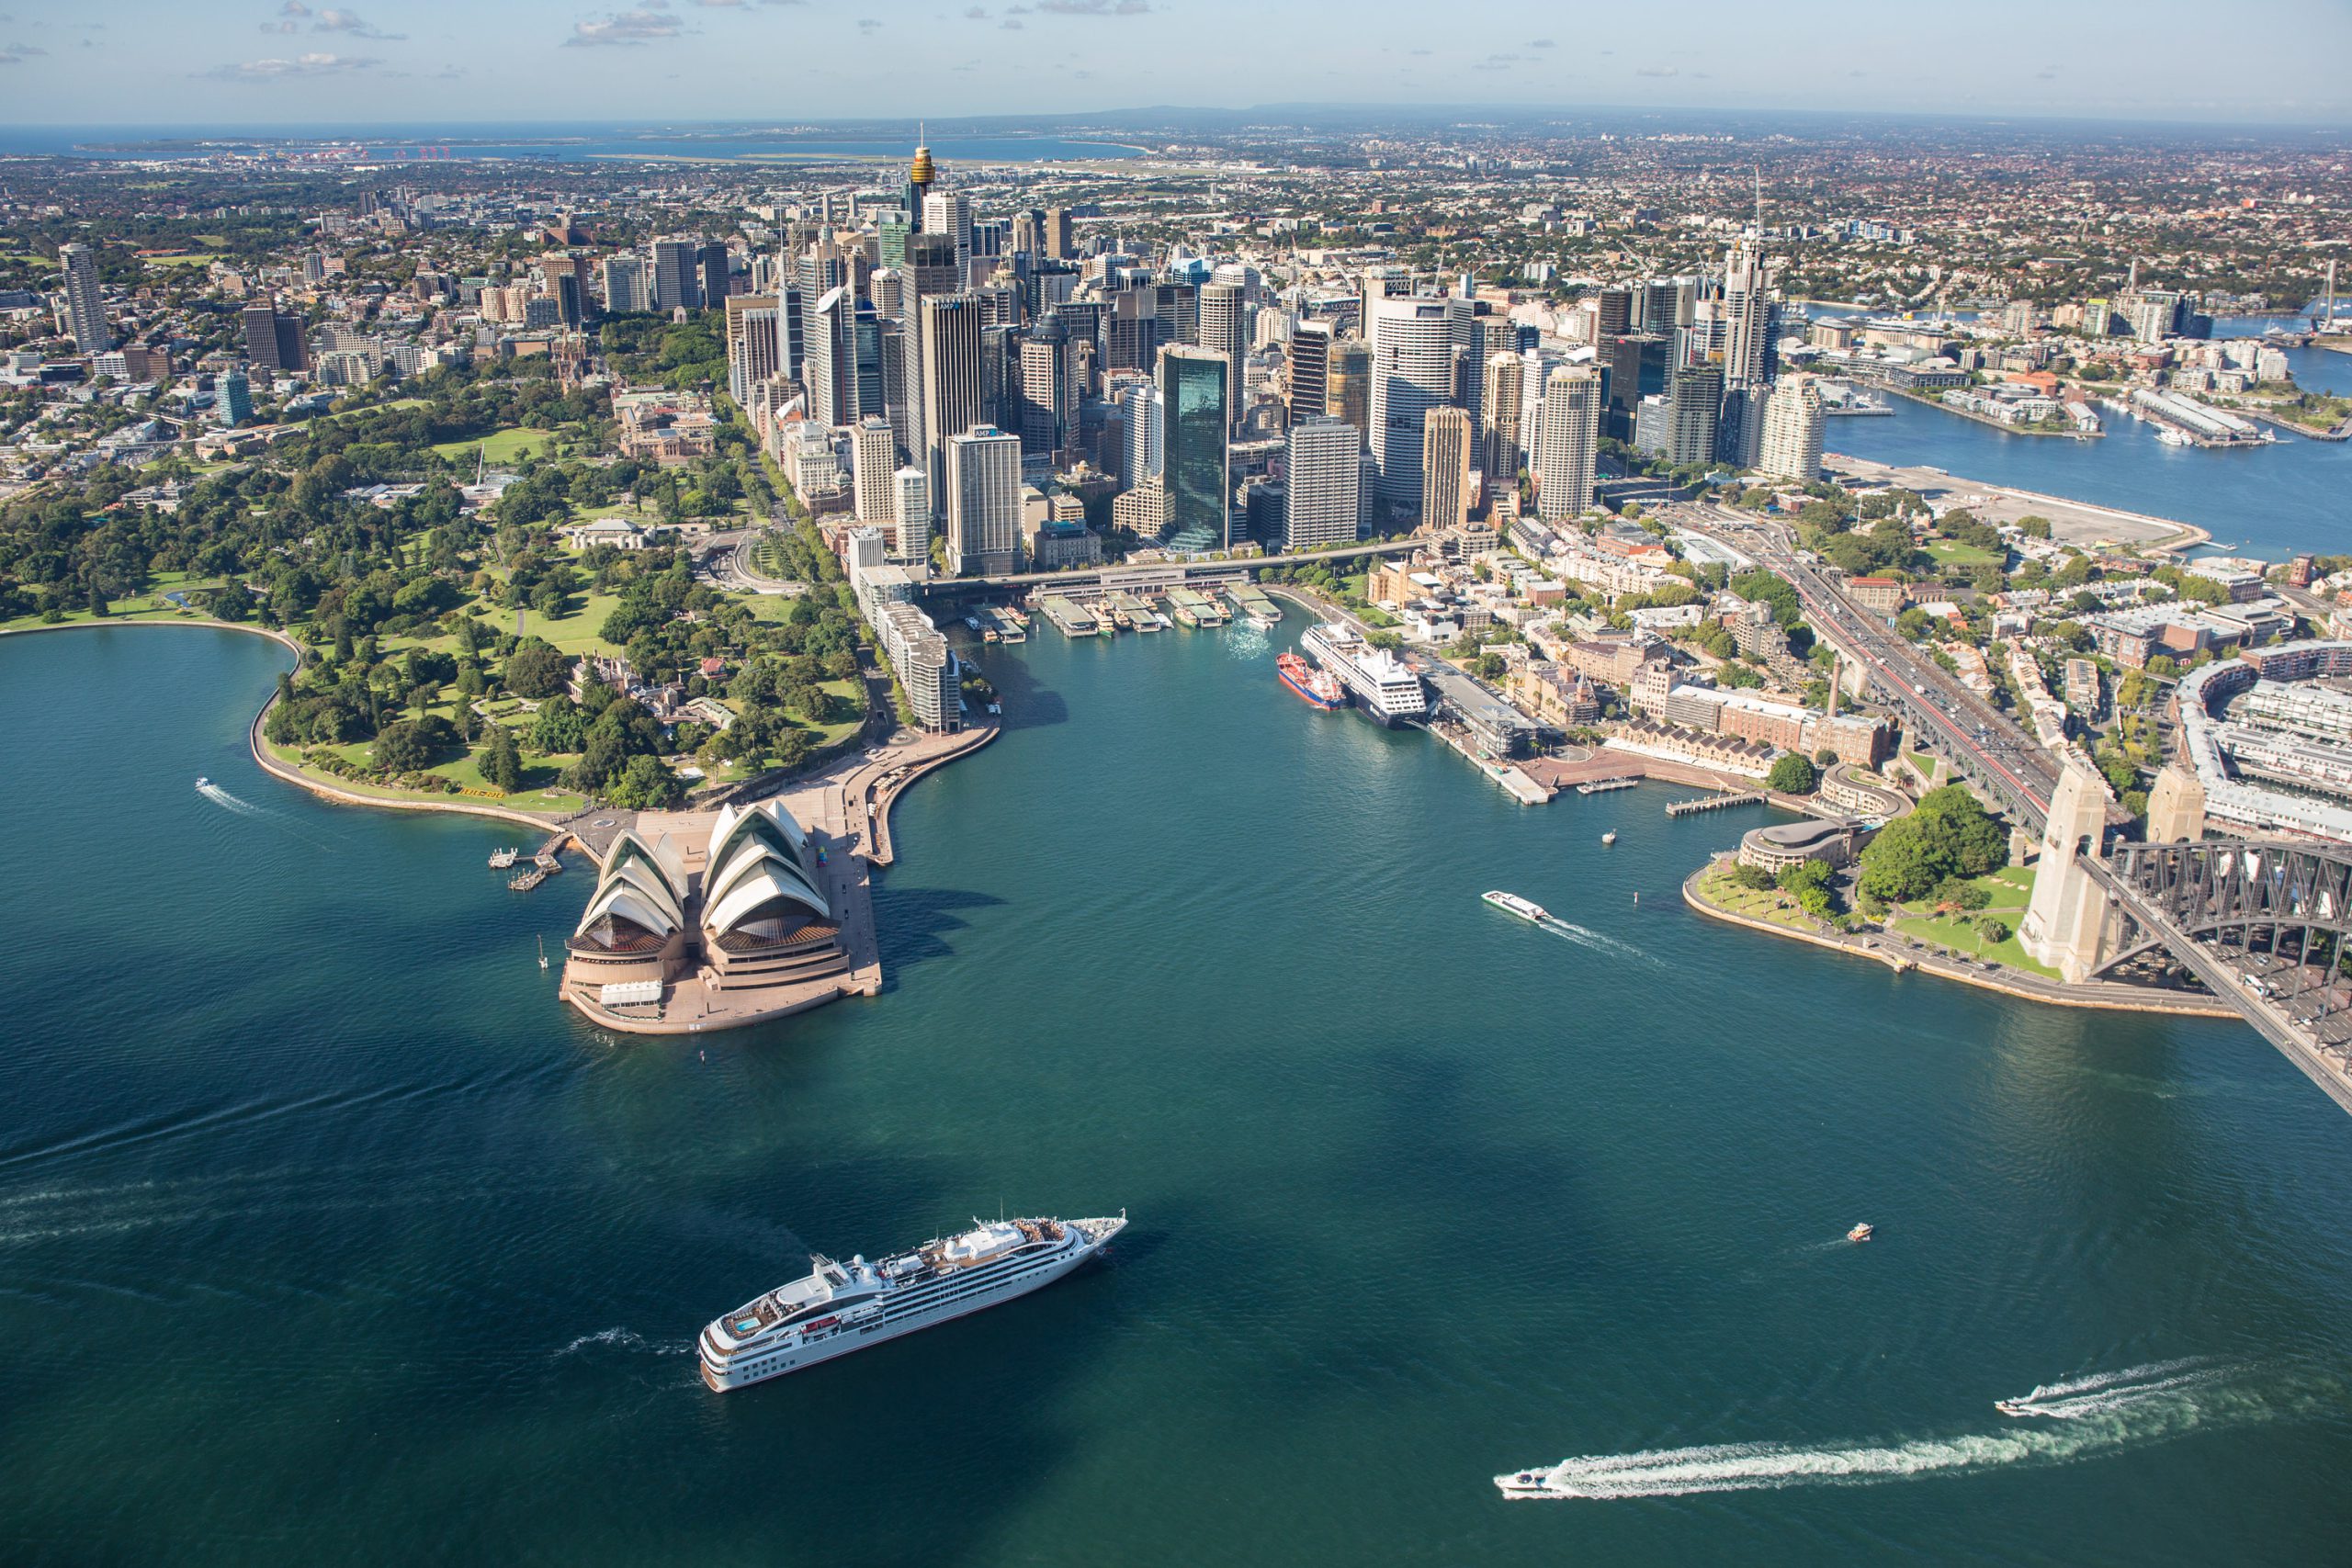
[{"x": 326, "y": 1233}]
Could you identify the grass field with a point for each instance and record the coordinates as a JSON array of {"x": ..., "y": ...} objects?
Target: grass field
[
  {"x": 499, "y": 446},
  {"x": 1951, "y": 552},
  {"x": 575, "y": 633},
  {"x": 464, "y": 770},
  {"x": 2010, "y": 889},
  {"x": 1770, "y": 905}
]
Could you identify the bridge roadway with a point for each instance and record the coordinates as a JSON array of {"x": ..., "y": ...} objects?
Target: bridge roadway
[
  {"x": 1977, "y": 739},
  {"x": 2306, "y": 1021}
]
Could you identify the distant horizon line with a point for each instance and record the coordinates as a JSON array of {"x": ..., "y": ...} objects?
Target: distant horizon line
[{"x": 2339, "y": 120}]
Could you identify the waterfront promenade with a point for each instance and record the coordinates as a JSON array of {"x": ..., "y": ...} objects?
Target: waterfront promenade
[{"x": 2071, "y": 521}]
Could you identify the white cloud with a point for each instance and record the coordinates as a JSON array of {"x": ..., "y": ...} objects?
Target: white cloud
[
  {"x": 1095, "y": 7},
  {"x": 622, "y": 29},
  {"x": 333, "y": 21},
  {"x": 314, "y": 64}
]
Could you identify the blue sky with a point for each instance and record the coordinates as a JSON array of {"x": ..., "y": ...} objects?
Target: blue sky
[{"x": 275, "y": 62}]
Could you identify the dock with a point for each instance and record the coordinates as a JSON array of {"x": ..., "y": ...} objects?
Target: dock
[
  {"x": 1715, "y": 802},
  {"x": 524, "y": 881},
  {"x": 1602, "y": 786},
  {"x": 1255, "y": 604},
  {"x": 501, "y": 858},
  {"x": 1194, "y": 609},
  {"x": 1067, "y": 619}
]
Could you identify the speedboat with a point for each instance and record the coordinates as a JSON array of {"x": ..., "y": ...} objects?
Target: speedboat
[
  {"x": 203, "y": 783},
  {"x": 2016, "y": 1407},
  {"x": 1859, "y": 1233},
  {"x": 1525, "y": 1483},
  {"x": 1513, "y": 904},
  {"x": 1610, "y": 837}
]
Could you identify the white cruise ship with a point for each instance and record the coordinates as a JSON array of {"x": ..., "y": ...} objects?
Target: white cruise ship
[
  {"x": 836, "y": 1308},
  {"x": 1383, "y": 684}
]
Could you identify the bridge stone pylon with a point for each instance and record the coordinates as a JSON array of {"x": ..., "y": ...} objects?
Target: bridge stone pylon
[{"x": 2066, "y": 919}]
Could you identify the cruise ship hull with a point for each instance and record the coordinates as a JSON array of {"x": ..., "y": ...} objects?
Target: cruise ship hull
[
  {"x": 880, "y": 1320},
  {"x": 1389, "y": 703}
]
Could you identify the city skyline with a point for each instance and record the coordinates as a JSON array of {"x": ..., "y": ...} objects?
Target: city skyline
[{"x": 257, "y": 64}]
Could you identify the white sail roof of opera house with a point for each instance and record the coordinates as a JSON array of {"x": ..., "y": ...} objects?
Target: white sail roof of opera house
[
  {"x": 755, "y": 860},
  {"x": 640, "y": 883}
]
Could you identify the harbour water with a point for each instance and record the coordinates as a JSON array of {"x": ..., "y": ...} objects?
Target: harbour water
[
  {"x": 2266, "y": 501},
  {"x": 325, "y": 1234}
]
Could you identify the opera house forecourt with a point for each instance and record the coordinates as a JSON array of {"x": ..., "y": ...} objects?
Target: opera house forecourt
[{"x": 706, "y": 920}]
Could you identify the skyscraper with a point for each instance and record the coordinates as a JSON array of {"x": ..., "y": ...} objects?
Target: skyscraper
[
  {"x": 1793, "y": 430},
  {"x": 1195, "y": 431},
  {"x": 711, "y": 269},
  {"x": 1048, "y": 388},
  {"x": 625, "y": 290},
  {"x": 1310, "y": 371},
  {"x": 1223, "y": 319},
  {"x": 1412, "y": 371},
  {"x": 1141, "y": 404},
  {"x": 1568, "y": 440},
  {"x": 1748, "y": 312},
  {"x": 85, "y": 306},
  {"x": 1325, "y": 477},
  {"x": 951, "y": 382},
  {"x": 873, "y": 467},
  {"x": 1445, "y": 467},
  {"x": 1500, "y": 402},
  {"x": 1061, "y": 242},
  {"x": 983, "y": 500},
  {"x": 236, "y": 398},
  {"x": 1612, "y": 314},
  {"x": 1694, "y": 399},
  {"x": 274, "y": 340},
  {"x": 1349, "y": 390},
  {"x": 751, "y": 343},
  {"x": 921, "y": 176},
  {"x": 949, "y": 213},
  {"x": 675, "y": 280},
  {"x": 826, "y": 364},
  {"x": 911, "y": 499}
]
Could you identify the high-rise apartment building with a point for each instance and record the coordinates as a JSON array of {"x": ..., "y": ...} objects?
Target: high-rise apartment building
[
  {"x": 1196, "y": 437},
  {"x": 1140, "y": 406},
  {"x": 1748, "y": 312},
  {"x": 627, "y": 285},
  {"x": 983, "y": 500},
  {"x": 85, "y": 305},
  {"x": 1793, "y": 430},
  {"x": 236, "y": 400},
  {"x": 1061, "y": 237},
  {"x": 1694, "y": 400},
  {"x": 1446, "y": 439},
  {"x": 1567, "y": 442},
  {"x": 1048, "y": 388},
  {"x": 949, "y": 213},
  {"x": 910, "y": 509},
  {"x": 751, "y": 343},
  {"x": 1613, "y": 312},
  {"x": 711, "y": 273},
  {"x": 1325, "y": 468},
  {"x": 1500, "y": 399}
]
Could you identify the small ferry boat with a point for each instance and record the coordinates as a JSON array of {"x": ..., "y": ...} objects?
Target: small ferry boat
[
  {"x": 1859, "y": 1233},
  {"x": 2172, "y": 437},
  {"x": 1513, "y": 904},
  {"x": 836, "y": 1308},
  {"x": 1317, "y": 688},
  {"x": 1610, "y": 837}
]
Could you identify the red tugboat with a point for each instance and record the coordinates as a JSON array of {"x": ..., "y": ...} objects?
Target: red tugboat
[{"x": 1319, "y": 688}]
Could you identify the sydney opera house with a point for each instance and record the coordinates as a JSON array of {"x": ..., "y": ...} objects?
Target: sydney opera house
[{"x": 703, "y": 920}]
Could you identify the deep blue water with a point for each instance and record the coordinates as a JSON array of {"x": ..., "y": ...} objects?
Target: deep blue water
[
  {"x": 2269, "y": 501},
  {"x": 327, "y": 1235}
]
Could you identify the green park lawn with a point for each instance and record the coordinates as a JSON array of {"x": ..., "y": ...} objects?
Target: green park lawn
[
  {"x": 1951, "y": 552},
  {"x": 1769, "y": 905},
  {"x": 2010, "y": 887},
  {"x": 503, "y": 446},
  {"x": 573, "y": 634}
]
